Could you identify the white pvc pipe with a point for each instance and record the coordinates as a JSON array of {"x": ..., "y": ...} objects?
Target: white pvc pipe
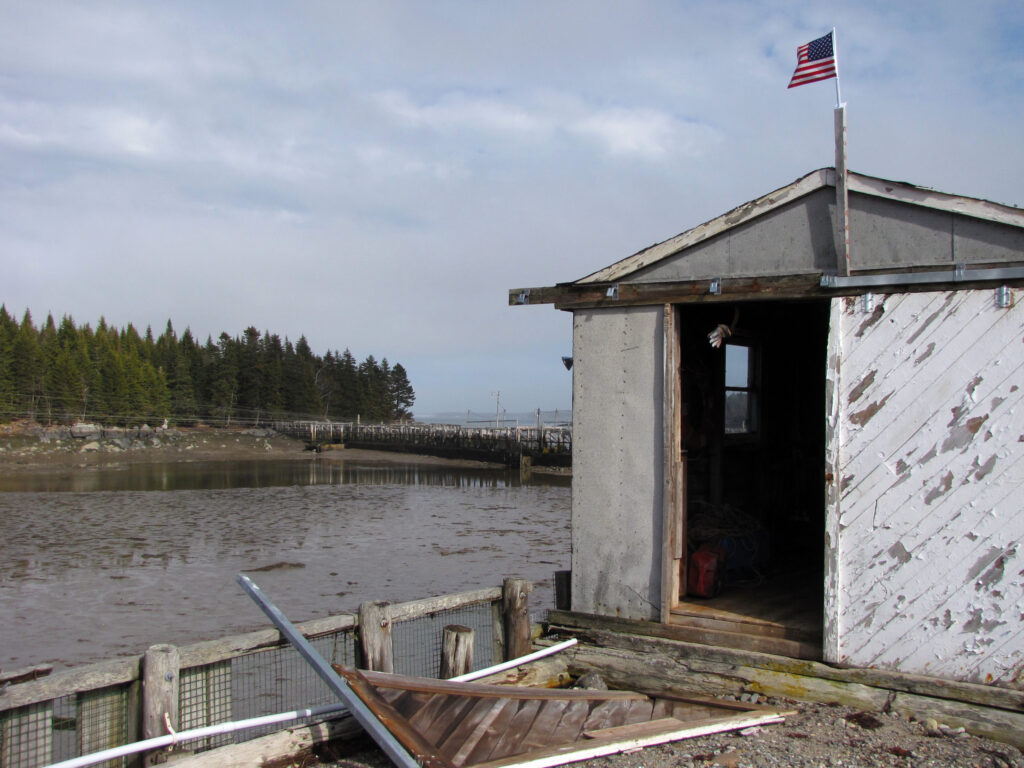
[
  {"x": 195, "y": 733},
  {"x": 515, "y": 662},
  {"x": 283, "y": 717}
]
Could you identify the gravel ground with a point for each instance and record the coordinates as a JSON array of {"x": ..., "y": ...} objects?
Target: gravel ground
[{"x": 819, "y": 736}]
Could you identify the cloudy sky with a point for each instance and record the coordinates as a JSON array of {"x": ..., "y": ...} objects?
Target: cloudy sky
[{"x": 377, "y": 175}]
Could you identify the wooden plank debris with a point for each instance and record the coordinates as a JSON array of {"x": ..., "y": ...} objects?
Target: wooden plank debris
[{"x": 467, "y": 725}]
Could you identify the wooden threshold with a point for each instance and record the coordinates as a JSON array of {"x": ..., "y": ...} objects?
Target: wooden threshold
[
  {"x": 748, "y": 637},
  {"x": 727, "y": 635},
  {"x": 781, "y": 615}
]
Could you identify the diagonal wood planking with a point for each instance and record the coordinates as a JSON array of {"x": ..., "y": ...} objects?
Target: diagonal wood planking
[{"x": 931, "y": 457}]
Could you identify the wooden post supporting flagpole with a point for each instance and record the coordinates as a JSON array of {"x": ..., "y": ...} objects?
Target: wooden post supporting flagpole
[{"x": 842, "y": 219}]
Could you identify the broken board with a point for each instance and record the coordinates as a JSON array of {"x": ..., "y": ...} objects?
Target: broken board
[{"x": 446, "y": 724}]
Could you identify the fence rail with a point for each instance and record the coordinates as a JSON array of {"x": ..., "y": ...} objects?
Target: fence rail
[
  {"x": 105, "y": 705},
  {"x": 545, "y": 445}
]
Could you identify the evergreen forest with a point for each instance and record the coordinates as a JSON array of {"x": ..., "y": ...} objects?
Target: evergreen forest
[{"x": 63, "y": 373}]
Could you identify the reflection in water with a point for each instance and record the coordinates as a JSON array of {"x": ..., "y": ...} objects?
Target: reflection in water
[
  {"x": 149, "y": 554},
  {"x": 219, "y": 475}
]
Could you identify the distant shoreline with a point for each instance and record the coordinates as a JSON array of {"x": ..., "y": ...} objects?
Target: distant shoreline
[{"x": 30, "y": 448}]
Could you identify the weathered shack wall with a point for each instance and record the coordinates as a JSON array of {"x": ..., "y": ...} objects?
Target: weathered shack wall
[
  {"x": 797, "y": 238},
  {"x": 929, "y": 566},
  {"x": 794, "y": 238},
  {"x": 617, "y": 461}
]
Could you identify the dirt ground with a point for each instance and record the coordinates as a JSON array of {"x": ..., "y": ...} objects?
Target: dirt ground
[{"x": 819, "y": 736}]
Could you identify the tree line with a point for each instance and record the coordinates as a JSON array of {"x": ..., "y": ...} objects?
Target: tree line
[{"x": 63, "y": 372}]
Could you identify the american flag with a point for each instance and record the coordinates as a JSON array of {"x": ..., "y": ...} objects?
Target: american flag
[{"x": 814, "y": 61}]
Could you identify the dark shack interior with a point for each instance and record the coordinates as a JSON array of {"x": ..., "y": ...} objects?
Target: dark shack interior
[{"x": 753, "y": 432}]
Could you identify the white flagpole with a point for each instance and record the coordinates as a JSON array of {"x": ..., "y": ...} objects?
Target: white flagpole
[{"x": 835, "y": 57}]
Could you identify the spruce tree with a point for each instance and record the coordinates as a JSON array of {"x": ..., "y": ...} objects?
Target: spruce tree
[
  {"x": 402, "y": 394},
  {"x": 8, "y": 336}
]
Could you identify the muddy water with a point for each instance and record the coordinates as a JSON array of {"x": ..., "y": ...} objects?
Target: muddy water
[{"x": 95, "y": 565}]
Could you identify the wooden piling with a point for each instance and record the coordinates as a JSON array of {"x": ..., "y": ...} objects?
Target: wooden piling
[
  {"x": 456, "y": 651},
  {"x": 375, "y": 637},
  {"x": 516, "y": 607},
  {"x": 161, "y": 666}
]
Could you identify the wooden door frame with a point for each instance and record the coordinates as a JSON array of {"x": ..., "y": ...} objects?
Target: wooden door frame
[{"x": 673, "y": 550}]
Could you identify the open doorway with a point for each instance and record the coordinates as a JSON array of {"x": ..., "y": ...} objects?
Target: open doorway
[{"x": 752, "y": 439}]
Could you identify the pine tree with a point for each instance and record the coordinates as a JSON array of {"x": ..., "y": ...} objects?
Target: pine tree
[
  {"x": 8, "y": 338},
  {"x": 224, "y": 382},
  {"x": 250, "y": 373},
  {"x": 347, "y": 377},
  {"x": 27, "y": 368},
  {"x": 273, "y": 359},
  {"x": 402, "y": 394}
]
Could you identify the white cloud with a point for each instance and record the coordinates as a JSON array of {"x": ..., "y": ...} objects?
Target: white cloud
[
  {"x": 645, "y": 133},
  {"x": 86, "y": 130},
  {"x": 460, "y": 111},
  {"x": 641, "y": 132}
]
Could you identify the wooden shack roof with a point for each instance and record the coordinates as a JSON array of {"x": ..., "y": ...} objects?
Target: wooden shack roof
[{"x": 782, "y": 245}]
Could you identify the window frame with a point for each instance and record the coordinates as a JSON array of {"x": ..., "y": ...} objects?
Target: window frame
[{"x": 752, "y": 388}]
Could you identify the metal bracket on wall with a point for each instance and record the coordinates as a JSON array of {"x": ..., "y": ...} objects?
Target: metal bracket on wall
[
  {"x": 1004, "y": 297},
  {"x": 612, "y": 292},
  {"x": 716, "y": 286},
  {"x": 523, "y": 297},
  {"x": 959, "y": 274}
]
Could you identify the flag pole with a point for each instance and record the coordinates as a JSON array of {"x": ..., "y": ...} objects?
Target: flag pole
[
  {"x": 842, "y": 223},
  {"x": 835, "y": 58},
  {"x": 842, "y": 220}
]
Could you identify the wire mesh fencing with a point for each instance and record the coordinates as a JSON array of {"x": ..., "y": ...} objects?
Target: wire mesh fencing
[
  {"x": 65, "y": 727},
  {"x": 264, "y": 680}
]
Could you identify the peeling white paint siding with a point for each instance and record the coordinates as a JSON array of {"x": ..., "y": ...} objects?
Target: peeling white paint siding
[
  {"x": 617, "y": 490},
  {"x": 833, "y": 468},
  {"x": 930, "y": 525}
]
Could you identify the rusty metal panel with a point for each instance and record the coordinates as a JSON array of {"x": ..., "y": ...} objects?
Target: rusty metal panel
[
  {"x": 930, "y": 575},
  {"x": 617, "y": 488}
]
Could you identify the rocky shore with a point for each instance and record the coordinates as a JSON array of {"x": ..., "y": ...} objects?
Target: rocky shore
[{"x": 29, "y": 447}]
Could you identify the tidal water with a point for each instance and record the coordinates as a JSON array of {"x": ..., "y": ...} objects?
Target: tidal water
[{"x": 99, "y": 564}]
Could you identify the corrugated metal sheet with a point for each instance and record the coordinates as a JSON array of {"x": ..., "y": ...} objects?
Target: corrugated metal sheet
[{"x": 931, "y": 457}]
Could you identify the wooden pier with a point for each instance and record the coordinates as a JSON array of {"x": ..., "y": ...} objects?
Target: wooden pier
[{"x": 512, "y": 446}]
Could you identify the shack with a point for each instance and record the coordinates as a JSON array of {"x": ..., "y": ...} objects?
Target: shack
[{"x": 823, "y": 389}]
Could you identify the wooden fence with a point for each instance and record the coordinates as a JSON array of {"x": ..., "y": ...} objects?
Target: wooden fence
[
  {"x": 542, "y": 446},
  {"x": 100, "y": 706}
]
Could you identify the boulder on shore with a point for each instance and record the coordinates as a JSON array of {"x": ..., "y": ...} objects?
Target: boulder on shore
[{"x": 87, "y": 431}]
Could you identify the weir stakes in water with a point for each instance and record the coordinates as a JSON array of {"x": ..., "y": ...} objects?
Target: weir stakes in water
[{"x": 512, "y": 446}]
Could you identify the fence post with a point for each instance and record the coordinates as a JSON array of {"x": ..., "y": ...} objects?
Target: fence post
[
  {"x": 375, "y": 637},
  {"x": 456, "y": 651},
  {"x": 517, "y": 617},
  {"x": 161, "y": 666}
]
